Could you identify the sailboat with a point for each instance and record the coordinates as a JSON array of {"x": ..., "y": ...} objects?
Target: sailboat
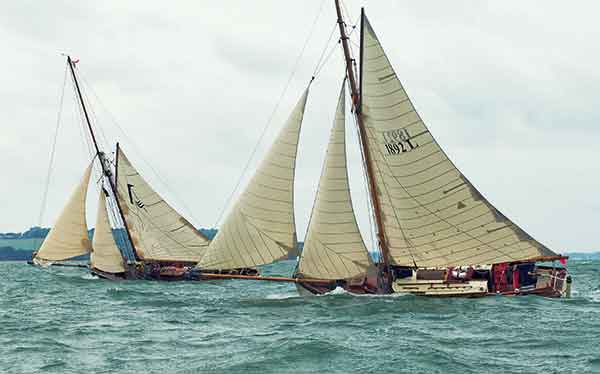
[
  {"x": 159, "y": 243},
  {"x": 437, "y": 235}
]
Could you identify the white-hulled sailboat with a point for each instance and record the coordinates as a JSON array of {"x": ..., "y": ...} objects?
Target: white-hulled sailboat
[{"x": 436, "y": 233}]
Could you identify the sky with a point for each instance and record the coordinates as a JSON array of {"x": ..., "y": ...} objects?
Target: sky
[{"x": 509, "y": 89}]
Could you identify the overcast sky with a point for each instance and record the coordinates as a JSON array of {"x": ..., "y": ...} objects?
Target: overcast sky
[{"x": 509, "y": 89}]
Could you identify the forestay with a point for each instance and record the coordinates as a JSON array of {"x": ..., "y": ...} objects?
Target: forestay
[
  {"x": 69, "y": 236},
  {"x": 157, "y": 231},
  {"x": 260, "y": 227},
  {"x": 334, "y": 248},
  {"x": 105, "y": 253},
  {"x": 432, "y": 215}
]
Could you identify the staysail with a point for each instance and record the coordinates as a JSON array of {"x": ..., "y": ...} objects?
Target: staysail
[
  {"x": 432, "y": 214},
  {"x": 260, "y": 227},
  {"x": 334, "y": 248},
  {"x": 105, "y": 255},
  {"x": 157, "y": 231},
  {"x": 69, "y": 236}
]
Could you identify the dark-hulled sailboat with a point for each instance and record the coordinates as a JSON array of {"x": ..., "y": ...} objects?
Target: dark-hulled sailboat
[{"x": 159, "y": 243}]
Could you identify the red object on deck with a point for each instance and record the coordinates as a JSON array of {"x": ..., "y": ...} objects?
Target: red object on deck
[
  {"x": 515, "y": 277},
  {"x": 563, "y": 261},
  {"x": 500, "y": 283}
]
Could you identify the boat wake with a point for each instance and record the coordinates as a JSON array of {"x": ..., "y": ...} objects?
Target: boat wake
[
  {"x": 594, "y": 296},
  {"x": 90, "y": 276},
  {"x": 341, "y": 291},
  {"x": 282, "y": 296}
]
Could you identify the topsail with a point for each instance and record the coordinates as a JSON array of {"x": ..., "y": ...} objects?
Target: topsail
[
  {"x": 260, "y": 227},
  {"x": 432, "y": 214}
]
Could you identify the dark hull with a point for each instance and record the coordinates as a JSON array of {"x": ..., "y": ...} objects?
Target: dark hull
[
  {"x": 365, "y": 288},
  {"x": 30, "y": 262},
  {"x": 155, "y": 273},
  {"x": 108, "y": 276}
]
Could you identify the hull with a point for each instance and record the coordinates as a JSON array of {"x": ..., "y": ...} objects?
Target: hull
[
  {"x": 476, "y": 288},
  {"x": 109, "y": 276},
  {"x": 46, "y": 264},
  {"x": 168, "y": 272},
  {"x": 307, "y": 288},
  {"x": 489, "y": 281}
]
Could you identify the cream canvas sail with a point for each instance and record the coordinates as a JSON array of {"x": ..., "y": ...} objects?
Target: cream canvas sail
[
  {"x": 105, "y": 253},
  {"x": 69, "y": 236},
  {"x": 432, "y": 214},
  {"x": 260, "y": 227},
  {"x": 157, "y": 231},
  {"x": 334, "y": 248}
]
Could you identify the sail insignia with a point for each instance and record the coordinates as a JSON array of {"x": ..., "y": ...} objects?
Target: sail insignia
[
  {"x": 260, "y": 227},
  {"x": 433, "y": 215},
  {"x": 334, "y": 248},
  {"x": 69, "y": 236}
]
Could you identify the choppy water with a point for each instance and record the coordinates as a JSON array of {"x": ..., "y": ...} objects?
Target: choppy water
[{"x": 68, "y": 322}]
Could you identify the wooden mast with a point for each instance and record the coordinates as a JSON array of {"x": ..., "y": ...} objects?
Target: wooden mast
[
  {"x": 105, "y": 168},
  {"x": 356, "y": 94}
]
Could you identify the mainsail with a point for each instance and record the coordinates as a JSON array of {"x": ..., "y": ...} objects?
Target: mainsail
[
  {"x": 69, "y": 236},
  {"x": 432, "y": 215},
  {"x": 260, "y": 227},
  {"x": 157, "y": 231},
  {"x": 334, "y": 248},
  {"x": 105, "y": 256}
]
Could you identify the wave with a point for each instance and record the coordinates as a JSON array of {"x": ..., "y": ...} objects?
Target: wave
[
  {"x": 341, "y": 291},
  {"x": 282, "y": 296},
  {"x": 90, "y": 276}
]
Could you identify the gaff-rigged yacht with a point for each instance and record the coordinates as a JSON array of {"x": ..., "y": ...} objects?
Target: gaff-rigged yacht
[
  {"x": 437, "y": 235},
  {"x": 157, "y": 242}
]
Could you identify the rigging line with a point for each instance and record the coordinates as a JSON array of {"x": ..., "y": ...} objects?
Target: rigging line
[
  {"x": 354, "y": 26},
  {"x": 318, "y": 66},
  {"x": 82, "y": 128},
  {"x": 53, "y": 149},
  {"x": 94, "y": 116},
  {"x": 345, "y": 10},
  {"x": 333, "y": 49},
  {"x": 272, "y": 115},
  {"x": 130, "y": 140},
  {"x": 86, "y": 146}
]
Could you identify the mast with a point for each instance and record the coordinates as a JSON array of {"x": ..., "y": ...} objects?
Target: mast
[
  {"x": 105, "y": 168},
  {"x": 355, "y": 93}
]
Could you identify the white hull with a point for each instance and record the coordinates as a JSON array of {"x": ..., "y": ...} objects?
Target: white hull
[{"x": 473, "y": 288}]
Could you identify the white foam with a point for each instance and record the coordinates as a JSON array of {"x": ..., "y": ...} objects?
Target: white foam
[
  {"x": 281, "y": 296},
  {"x": 341, "y": 291},
  {"x": 89, "y": 276}
]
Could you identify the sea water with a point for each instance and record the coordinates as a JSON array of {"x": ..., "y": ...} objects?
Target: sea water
[{"x": 67, "y": 321}]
